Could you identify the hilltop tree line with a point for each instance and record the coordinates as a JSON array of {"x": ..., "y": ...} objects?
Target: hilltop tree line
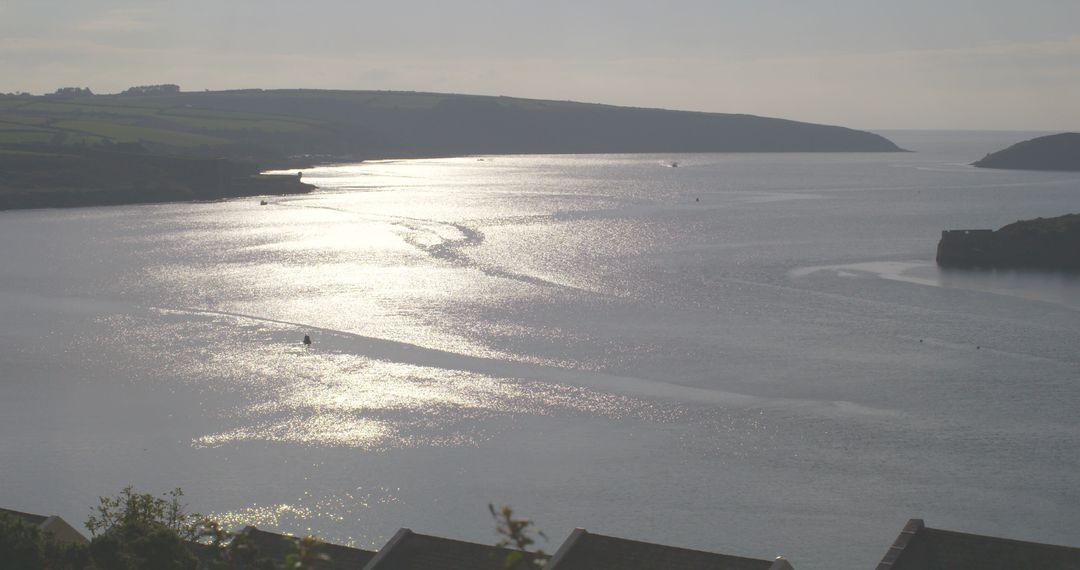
[{"x": 76, "y": 92}]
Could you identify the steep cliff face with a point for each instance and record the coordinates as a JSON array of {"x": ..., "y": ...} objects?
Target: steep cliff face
[
  {"x": 1044, "y": 243},
  {"x": 1054, "y": 152}
]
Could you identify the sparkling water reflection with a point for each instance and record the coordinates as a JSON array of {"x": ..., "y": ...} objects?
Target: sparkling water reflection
[{"x": 754, "y": 350}]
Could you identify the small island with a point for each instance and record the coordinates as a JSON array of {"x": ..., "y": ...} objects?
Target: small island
[
  {"x": 1053, "y": 152},
  {"x": 1042, "y": 243}
]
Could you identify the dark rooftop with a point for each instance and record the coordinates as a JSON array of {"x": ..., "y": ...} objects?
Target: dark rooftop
[
  {"x": 922, "y": 548},
  {"x": 30, "y": 518},
  {"x": 587, "y": 551},
  {"x": 277, "y": 546},
  {"x": 408, "y": 550}
]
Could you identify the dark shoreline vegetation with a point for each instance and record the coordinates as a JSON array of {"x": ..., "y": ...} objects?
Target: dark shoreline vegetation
[
  {"x": 159, "y": 144},
  {"x": 1042, "y": 243},
  {"x": 73, "y": 177}
]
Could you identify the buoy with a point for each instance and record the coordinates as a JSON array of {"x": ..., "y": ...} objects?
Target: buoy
[{"x": 307, "y": 340}]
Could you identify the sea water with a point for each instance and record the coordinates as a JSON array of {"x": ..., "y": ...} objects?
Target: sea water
[{"x": 747, "y": 353}]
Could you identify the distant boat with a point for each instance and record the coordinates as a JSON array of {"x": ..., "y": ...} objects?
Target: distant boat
[
  {"x": 674, "y": 164},
  {"x": 262, "y": 202}
]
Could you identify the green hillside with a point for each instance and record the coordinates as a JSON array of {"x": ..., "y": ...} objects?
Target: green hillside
[
  {"x": 295, "y": 126},
  {"x": 157, "y": 144}
]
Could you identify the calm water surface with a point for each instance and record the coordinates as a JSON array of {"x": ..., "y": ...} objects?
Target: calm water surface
[{"x": 749, "y": 353}]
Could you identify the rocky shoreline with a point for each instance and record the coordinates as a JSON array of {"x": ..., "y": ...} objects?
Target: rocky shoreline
[{"x": 1042, "y": 243}]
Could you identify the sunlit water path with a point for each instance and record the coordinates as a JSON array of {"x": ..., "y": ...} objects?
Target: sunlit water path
[{"x": 748, "y": 353}]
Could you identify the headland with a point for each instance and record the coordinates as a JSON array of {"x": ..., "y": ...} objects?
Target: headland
[
  {"x": 1042, "y": 243},
  {"x": 1053, "y": 152},
  {"x": 158, "y": 143}
]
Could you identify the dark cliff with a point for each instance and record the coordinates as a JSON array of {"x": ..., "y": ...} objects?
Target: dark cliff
[
  {"x": 1042, "y": 243},
  {"x": 1053, "y": 152}
]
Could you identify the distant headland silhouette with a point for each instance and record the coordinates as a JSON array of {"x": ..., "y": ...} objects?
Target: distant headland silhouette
[
  {"x": 130, "y": 142},
  {"x": 1052, "y": 152}
]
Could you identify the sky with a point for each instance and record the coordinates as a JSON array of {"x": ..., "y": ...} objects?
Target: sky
[{"x": 911, "y": 64}]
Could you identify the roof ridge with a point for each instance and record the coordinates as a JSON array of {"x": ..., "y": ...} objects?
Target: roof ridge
[
  {"x": 1002, "y": 539},
  {"x": 673, "y": 547}
]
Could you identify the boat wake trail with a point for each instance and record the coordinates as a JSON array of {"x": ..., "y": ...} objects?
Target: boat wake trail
[
  {"x": 412, "y": 354},
  {"x": 445, "y": 241}
]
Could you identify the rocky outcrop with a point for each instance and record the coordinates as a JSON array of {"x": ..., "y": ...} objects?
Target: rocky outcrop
[{"x": 1043, "y": 243}]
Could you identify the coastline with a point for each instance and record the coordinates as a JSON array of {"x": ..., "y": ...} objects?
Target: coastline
[
  {"x": 1041, "y": 243},
  {"x": 58, "y": 176},
  {"x": 73, "y": 178}
]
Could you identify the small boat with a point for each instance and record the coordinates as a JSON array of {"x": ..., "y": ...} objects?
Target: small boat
[
  {"x": 262, "y": 202},
  {"x": 674, "y": 164}
]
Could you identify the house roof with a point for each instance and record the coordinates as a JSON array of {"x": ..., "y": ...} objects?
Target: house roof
[
  {"x": 60, "y": 529},
  {"x": 584, "y": 550},
  {"x": 277, "y": 546},
  {"x": 408, "y": 550},
  {"x": 921, "y": 548},
  {"x": 30, "y": 518}
]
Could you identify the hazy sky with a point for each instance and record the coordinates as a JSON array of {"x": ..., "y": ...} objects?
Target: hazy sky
[{"x": 978, "y": 64}]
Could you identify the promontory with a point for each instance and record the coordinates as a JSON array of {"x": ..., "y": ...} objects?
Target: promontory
[
  {"x": 1042, "y": 243},
  {"x": 245, "y": 131},
  {"x": 1053, "y": 152}
]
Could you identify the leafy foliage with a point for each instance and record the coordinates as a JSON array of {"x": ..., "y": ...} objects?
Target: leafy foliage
[
  {"x": 133, "y": 531},
  {"x": 137, "y": 531},
  {"x": 305, "y": 556},
  {"x": 234, "y": 550},
  {"x": 517, "y": 534},
  {"x": 131, "y": 508}
]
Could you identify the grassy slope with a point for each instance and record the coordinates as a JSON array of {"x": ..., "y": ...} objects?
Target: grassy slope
[
  {"x": 272, "y": 125},
  {"x": 113, "y": 119},
  {"x": 108, "y": 149}
]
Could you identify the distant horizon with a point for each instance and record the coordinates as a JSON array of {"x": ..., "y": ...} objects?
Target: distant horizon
[
  {"x": 967, "y": 64},
  {"x": 419, "y": 91}
]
